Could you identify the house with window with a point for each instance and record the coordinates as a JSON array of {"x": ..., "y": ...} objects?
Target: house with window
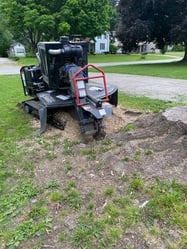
[
  {"x": 102, "y": 43},
  {"x": 148, "y": 47},
  {"x": 17, "y": 49}
]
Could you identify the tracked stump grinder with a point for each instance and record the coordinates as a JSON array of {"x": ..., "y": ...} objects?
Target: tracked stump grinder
[{"x": 61, "y": 81}]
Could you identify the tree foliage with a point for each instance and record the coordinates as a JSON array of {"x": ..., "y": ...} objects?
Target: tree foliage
[
  {"x": 27, "y": 21},
  {"x": 6, "y": 38},
  {"x": 164, "y": 22},
  {"x": 33, "y": 21},
  {"x": 89, "y": 18},
  {"x": 115, "y": 17},
  {"x": 134, "y": 27}
]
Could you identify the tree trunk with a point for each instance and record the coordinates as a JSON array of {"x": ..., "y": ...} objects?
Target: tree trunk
[{"x": 185, "y": 53}]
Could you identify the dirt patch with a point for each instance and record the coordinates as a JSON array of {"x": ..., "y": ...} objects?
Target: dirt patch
[
  {"x": 119, "y": 119},
  {"x": 154, "y": 147},
  {"x": 164, "y": 141}
]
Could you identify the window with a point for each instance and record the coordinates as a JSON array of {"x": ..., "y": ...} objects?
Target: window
[
  {"x": 102, "y": 46},
  {"x": 20, "y": 50}
]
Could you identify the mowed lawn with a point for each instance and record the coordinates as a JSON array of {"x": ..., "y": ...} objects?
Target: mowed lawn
[
  {"x": 13, "y": 121},
  {"x": 104, "y": 58},
  {"x": 175, "y": 70}
]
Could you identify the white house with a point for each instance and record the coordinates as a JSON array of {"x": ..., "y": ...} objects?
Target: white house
[
  {"x": 17, "y": 49},
  {"x": 102, "y": 43},
  {"x": 148, "y": 47}
]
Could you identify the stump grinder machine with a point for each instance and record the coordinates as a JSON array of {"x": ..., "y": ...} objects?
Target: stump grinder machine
[{"x": 61, "y": 81}]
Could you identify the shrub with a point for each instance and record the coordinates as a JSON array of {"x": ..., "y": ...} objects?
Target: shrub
[{"x": 113, "y": 49}]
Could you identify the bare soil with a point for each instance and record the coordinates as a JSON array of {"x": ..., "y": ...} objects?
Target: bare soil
[{"x": 161, "y": 146}]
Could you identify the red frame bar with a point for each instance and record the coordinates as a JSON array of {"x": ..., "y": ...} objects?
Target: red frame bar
[{"x": 75, "y": 79}]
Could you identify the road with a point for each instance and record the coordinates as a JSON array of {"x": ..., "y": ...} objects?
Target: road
[
  {"x": 8, "y": 66},
  {"x": 152, "y": 87},
  {"x": 166, "y": 89}
]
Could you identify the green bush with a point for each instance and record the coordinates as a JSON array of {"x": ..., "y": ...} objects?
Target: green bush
[
  {"x": 163, "y": 50},
  {"x": 4, "y": 44},
  {"x": 14, "y": 58},
  {"x": 113, "y": 49},
  {"x": 178, "y": 47},
  {"x": 5, "y": 41}
]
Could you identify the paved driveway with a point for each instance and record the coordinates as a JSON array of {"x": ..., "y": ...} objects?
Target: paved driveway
[
  {"x": 8, "y": 66},
  {"x": 152, "y": 87}
]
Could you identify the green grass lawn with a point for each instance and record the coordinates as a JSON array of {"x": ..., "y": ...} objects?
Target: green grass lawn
[
  {"x": 26, "y": 61},
  {"x": 13, "y": 122},
  {"x": 125, "y": 57},
  {"x": 176, "y": 70},
  {"x": 177, "y": 53},
  {"x": 101, "y": 58},
  {"x": 144, "y": 104}
]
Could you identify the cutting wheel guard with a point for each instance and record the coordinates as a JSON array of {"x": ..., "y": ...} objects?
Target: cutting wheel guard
[{"x": 76, "y": 78}]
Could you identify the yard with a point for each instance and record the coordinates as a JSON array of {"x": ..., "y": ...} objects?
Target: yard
[{"x": 63, "y": 190}]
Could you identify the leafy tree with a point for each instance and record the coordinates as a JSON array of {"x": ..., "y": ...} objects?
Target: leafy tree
[
  {"x": 88, "y": 18},
  {"x": 6, "y": 39},
  {"x": 164, "y": 22},
  {"x": 115, "y": 18},
  {"x": 37, "y": 20},
  {"x": 134, "y": 27},
  {"x": 27, "y": 20},
  {"x": 178, "y": 31}
]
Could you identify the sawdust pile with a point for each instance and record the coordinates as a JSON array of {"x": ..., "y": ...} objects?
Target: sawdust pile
[{"x": 113, "y": 124}]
